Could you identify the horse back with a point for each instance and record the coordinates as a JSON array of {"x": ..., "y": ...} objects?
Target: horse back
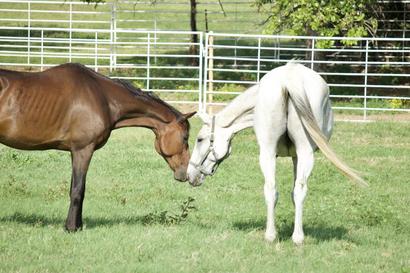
[{"x": 51, "y": 109}]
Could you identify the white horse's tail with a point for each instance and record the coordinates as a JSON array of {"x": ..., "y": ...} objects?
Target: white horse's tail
[{"x": 301, "y": 103}]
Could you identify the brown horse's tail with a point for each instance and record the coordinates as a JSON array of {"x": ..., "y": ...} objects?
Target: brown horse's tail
[{"x": 301, "y": 103}]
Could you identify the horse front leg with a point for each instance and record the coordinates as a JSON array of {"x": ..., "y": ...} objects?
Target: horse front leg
[
  {"x": 303, "y": 166},
  {"x": 80, "y": 162}
]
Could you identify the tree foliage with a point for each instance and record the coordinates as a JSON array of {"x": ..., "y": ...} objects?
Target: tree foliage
[{"x": 320, "y": 17}]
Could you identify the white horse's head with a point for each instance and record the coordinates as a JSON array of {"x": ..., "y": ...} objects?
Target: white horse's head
[{"x": 212, "y": 146}]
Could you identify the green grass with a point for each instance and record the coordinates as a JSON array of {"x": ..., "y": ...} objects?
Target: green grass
[{"x": 129, "y": 187}]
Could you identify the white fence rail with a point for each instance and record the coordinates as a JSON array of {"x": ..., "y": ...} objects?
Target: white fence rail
[
  {"x": 158, "y": 60},
  {"x": 142, "y": 15},
  {"x": 372, "y": 75},
  {"x": 46, "y": 13}
]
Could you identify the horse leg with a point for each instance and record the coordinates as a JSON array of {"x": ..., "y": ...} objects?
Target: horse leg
[
  {"x": 270, "y": 117},
  {"x": 295, "y": 172},
  {"x": 303, "y": 165},
  {"x": 80, "y": 162},
  {"x": 268, "y": 140},
  {"x": 267, "y": 163}
]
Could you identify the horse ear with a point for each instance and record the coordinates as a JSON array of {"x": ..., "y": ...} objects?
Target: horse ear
[
  {"x": 206, "y": 119},
  {"x": 189, "y": 115}
]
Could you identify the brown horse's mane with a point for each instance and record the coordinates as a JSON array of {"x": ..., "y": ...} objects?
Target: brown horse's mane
[
  {"x": 136, "y": 91},
  {"x": 148, "y": 95}
]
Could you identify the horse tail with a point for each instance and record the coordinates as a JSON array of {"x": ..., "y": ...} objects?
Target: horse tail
[{"x": 298, "y": 97}]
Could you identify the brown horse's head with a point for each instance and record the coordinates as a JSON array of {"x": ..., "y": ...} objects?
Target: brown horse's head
[{"x": 172, "y": 144}]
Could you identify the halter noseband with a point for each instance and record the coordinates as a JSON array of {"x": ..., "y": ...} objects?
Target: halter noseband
[{"x": 211, "y": 149}]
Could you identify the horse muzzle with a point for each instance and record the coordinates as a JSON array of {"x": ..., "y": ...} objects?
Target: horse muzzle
[
  {"x": 196, "y": 181},
  {"x": 181, "y": 175}
]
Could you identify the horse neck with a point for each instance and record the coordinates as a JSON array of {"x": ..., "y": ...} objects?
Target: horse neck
[
  {"x": 238, "y": 114},
  {"x": 143, "y": 111}
]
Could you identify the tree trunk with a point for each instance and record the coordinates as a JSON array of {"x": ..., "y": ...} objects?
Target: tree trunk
[{"x": 193, "y": 49}]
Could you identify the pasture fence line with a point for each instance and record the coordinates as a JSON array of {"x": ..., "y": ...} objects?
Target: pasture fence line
[
  {"x": 364, "y": 74},
  {"x": 158, "y": 60},
  {"x": 142, "y": 15},
  {"x": 372, "y": 73}
]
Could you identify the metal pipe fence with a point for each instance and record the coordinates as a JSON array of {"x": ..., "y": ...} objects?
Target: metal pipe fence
[
  {"x": 157, "y": 61},
  {"x": 142, "y": 15},
  {"x": 364, "y": 74}
]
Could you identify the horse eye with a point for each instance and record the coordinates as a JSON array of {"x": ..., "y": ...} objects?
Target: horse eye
[{"x": 199, "y": 140}]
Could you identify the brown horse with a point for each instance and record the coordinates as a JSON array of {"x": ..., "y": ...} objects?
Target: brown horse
[{"x": 73, "y": 108}]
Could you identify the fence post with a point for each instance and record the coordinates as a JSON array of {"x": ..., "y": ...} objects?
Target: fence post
[
  {"x": 259, "y": 60},
  {"x": 235, "y": 51},
  {"x": 42, "y": 50},
  {"x": 312, "y": 55},
  {"x": 28, "y": 32},
  {"x": 365, "y": 80},
  {"x": 113, "y": 37},
  {"x": 148, "y": 60},
  {"x": 200, "y": 71},
  {"x": 155, "y": 40},
  {"x": 403, "y": 58},
  {"x": 205, "y": 56},
  {"x": 70, "y": 33},
  {"x": 210, "y": 71},
  {"x": 96, "y": 52},
  {"x": 111, "y": 46}
]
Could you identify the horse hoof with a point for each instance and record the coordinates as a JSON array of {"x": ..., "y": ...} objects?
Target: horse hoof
[
  {"x": 70, "y": 229},
  {"x": 270, "y": 237},
  {"x": 298, "y": 240}
]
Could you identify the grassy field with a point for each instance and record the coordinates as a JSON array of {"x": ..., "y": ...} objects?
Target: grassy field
[{"x": 131, "y": 194}]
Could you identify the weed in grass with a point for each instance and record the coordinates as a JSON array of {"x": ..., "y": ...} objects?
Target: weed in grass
[
  {"x": 58, "y": 191},
  {"x": 19, "y": 158},
  {"x": 166, "y": 218},
  {"x": 12, "y": 187}
]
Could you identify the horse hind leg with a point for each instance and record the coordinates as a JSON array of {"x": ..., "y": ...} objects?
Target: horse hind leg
[
  {"x": 80, "y": 162},
  {"x": 303, "y": 165},
  {"x": 268, "y": 139},
  {"x": 267, "y": 163}
]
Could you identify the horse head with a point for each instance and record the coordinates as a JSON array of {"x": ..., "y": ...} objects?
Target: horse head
[
  {"x": 172, "y": 144},
  {"x": 212, "y": 146}
]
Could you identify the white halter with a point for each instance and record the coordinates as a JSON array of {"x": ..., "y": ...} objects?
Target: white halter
[{"x": 199, "y": 166}]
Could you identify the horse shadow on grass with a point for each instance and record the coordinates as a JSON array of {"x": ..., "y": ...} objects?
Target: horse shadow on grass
[
  {"x": 37, "y": 220},
  {"x": 320, "y": 232}
]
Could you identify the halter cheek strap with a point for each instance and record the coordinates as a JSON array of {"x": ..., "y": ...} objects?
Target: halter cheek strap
[{"x": 211, "y": 149}]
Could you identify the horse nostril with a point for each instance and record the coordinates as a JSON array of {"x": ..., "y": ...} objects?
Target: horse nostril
[{"x": 181, "y": 176}]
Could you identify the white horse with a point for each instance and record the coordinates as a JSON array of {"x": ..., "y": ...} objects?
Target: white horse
[{"x": 292, "y": 116}]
